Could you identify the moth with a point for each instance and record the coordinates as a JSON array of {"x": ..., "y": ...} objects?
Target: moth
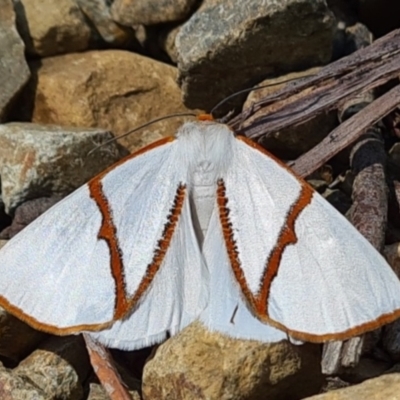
[{"x": 205, "y": 225}]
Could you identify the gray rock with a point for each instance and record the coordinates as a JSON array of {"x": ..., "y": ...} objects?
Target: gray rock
[
  {"x": 98, "y": 12},
  {"x": 39, "y": 161},
  {"x": 14, "y": 71},
  {"x": 226, "y": 45}
]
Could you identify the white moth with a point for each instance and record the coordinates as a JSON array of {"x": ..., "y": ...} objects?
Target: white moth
[{"x": 205, "y": 225}]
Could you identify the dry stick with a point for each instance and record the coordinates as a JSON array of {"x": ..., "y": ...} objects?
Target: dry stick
[
  {"x": 105, "y": 370},
  {"x": 361, "y": 71},
  {"x": 346, "y": 133}
]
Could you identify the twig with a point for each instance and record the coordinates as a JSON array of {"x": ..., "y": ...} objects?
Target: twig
[
  {"x": 105, "y": 370},
  {"x": 361, "y": 71},
  {"x": 346, "y": 133}
]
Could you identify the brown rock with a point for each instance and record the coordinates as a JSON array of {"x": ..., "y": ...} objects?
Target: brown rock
[
  {"x": 48, "y": 27},
  {"x": 291, "y": 142},
  {"x": 256, "y": 40},
  {"x": 197, "y": 364},
  {"x": 386, "y": 387},
  {"x": 40, "y": 161},
  {"x": 150, "y": 12},
  {"x": 14, "y": 71},
  {"x": 114, "y": 89}
]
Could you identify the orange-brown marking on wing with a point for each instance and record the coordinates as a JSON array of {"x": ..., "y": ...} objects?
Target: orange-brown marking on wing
[
  {"x": 205, "y": 117},
  {"x": 34, "y": 323},
  {"x": 230, "y": 243},
  {"x": 287, "y": 234},
  {"x": 286, "y": 237},
  {"x": 344, "y": 335},
  {"x": 108, "y": 232},
  {"x": 162, "y": 247}
]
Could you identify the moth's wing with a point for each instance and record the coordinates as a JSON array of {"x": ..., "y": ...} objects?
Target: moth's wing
[
  {"x": 227, "y": 311},
  {"x": 176, "y": 297},
  {"x": 300, "y": 264},
  {"x": 110, "y": 251}
]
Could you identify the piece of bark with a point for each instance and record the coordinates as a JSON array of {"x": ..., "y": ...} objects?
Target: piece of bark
[
  {"x": 352, "y": 350},
  {"x": 339, "y": 354},
  {"x": 330, "y": 360},
  {"x": 370, "y": 193},
  {"x": 105, "y": 370},
  {"x": 346, "y": 133},
  {"x": 360, "y": 72}
]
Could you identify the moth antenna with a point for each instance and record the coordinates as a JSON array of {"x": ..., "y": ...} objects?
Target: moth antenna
[
  {"x": 248, "y": 90},
  {"x": 153, "y": 121}
]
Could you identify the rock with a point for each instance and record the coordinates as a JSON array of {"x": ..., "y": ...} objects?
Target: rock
[
  {"x": 291, "y": 142},
  {"x": 98, "y": 13},
  {"x": 48, "y": 27},
  {"x": 385, "y": 387},
  {"x": 56, "y": 371},
  {"x": 40, "y": 161},
  {"x": 58, "y": 368},
  {"x": 150, "y": 12},
  {"x": 198, "y": 364},
  {"x": 217, "y": 59},
  {"x": 114, "y": 89},
  {"x": 97, "y": 392},
  {"x": 17, "y": 339},
  {"x": 167, "y": 42},
  {"x": 14, "y": 387},
  {"x": 14, "y": 71}
]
